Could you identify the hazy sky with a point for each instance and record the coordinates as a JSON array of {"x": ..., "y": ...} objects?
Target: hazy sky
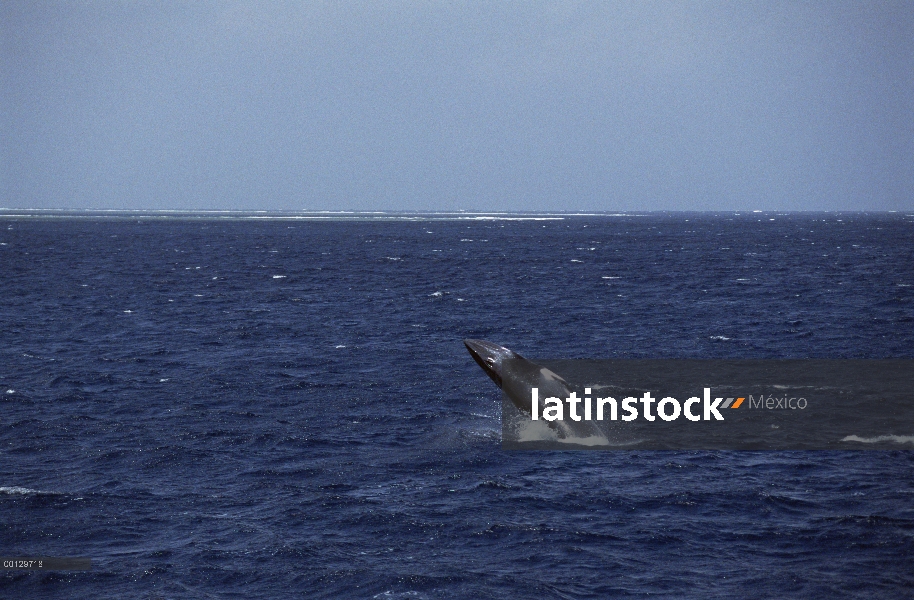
[{"x": 457, "y": 105}]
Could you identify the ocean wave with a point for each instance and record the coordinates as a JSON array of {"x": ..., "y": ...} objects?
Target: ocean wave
[
  {"x": 901, "y": 439},
  {"x": 16, "y": 490}
]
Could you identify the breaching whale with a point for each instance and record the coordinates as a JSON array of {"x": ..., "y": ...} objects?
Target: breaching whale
[{"x": 517, "y": 377}]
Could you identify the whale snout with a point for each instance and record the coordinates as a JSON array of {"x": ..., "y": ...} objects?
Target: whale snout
[
  {"x": 487, "y": 351},
  {"x": 489, "y": 356}
]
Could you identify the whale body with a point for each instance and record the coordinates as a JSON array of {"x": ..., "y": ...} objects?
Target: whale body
[{"x": 517, "y": 376}]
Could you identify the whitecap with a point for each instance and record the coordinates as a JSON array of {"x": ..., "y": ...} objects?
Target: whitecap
[
  {"x": 16, "y": 490},
  {"x": 391, "y": 595},
  {"x": 436, "y": 294},
  {"x": 899, "y": 439},
  {"x": 490, "y": 218},
  {"x": 720, "y": 338}
]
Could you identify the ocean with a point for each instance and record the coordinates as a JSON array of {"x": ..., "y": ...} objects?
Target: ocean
[{"x": 263, "y": 405}]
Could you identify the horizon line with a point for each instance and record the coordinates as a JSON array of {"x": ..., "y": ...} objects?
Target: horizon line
[{"x": 460, "y": 212}]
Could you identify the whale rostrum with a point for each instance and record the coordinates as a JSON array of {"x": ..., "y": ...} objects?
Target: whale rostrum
[{"x": 517, "y": 376}]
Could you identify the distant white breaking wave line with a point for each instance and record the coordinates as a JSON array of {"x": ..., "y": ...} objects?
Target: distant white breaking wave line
[
  {"x": 16, "y": 490},
  {"x": 305, "y": 215},
  {"x": 900, "y": 439}
]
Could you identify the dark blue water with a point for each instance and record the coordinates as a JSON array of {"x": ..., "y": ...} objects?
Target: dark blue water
[{"x": 274, "y": 408}]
